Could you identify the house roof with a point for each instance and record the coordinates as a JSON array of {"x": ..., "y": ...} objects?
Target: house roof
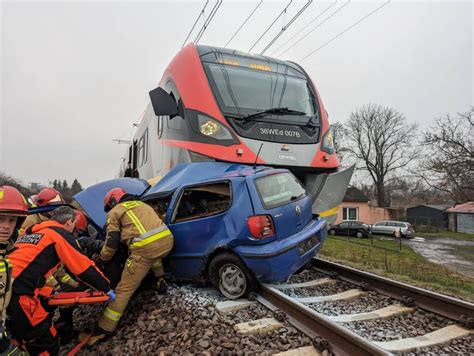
[
  {"x": 441, "y": 207},
  {"x": 355, "y": 195},
  {"x": 463, "y": 208}
]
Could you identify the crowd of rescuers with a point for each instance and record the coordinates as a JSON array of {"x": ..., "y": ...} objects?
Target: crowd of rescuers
[{"x": 43, "y": 254}]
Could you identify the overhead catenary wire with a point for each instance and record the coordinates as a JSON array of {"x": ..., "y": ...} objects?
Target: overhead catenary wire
[
  {"x": 285, "y": 27},
  {"x": 208, "y": 20},
  {"x": 305, "y": 27},
  {"x": 201, "y": 13},
  {"x": 243, "y": 23},
  {"x": 316, "y": 27},
  {"x": 271, "y": 25},
  {"x": 345, "y": 30}
]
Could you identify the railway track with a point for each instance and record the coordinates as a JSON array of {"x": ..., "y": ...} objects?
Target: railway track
[
  {"x": 336, "y": 306},
  {"x": 327, "y": 309}
]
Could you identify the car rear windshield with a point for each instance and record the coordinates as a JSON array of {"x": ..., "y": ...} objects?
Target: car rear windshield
[{"x": 279, "y": 189}]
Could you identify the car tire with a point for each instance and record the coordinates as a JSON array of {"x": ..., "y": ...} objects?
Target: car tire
[
  {"x": 332, "y": 232},
  {"x": 230, "y": 276},
  {"x": 359, "y": 234}
]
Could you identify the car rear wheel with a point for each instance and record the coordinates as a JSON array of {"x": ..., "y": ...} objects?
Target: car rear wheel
[
  {"x": 332, "y": 232},
  {"x": 230, "y": 276},
  {"x": 359, "y": 234}
]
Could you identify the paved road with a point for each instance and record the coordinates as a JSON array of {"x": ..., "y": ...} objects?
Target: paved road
[{"x": 444, "y": 251}]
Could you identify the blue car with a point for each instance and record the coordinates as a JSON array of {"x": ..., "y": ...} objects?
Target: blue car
[{"x": 234, "y": 225}]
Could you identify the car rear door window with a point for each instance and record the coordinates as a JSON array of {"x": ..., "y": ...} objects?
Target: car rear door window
[
  {"x": 203, "y": 200},
  {"x": 279, "y": 189}
]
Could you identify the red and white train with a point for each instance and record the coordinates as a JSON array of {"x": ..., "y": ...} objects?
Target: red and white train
[{"x": 217, "y": 104}]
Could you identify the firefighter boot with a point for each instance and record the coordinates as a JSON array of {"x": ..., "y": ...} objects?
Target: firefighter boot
[
  {"x": 160, "y": 286},
  {"x": 98, "y": 335}
]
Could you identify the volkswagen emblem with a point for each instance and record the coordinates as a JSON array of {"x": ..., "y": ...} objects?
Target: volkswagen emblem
[{"x": 298, "y": 210}]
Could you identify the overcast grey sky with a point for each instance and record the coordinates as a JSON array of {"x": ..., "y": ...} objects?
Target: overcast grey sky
[{"x": 76, "y": 75}]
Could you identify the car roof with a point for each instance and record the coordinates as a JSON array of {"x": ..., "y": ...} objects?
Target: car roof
[
  {"x": 199, "y": 172},
  {"x": 91, "y": 199}
]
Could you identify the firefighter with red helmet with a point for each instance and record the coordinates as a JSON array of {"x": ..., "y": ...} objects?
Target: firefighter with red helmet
[
  {"x": 13, "y": 210},
  {"x": 36, "y": 256},
  {"x": 47, "y": 196},
  {"x": 136, "y": 224}
]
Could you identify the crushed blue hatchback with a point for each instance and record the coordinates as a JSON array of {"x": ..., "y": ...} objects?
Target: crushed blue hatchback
[{"x": 233, "y": 224}]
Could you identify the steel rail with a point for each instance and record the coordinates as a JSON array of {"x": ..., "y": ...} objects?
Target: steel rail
[
  {"x": 313, "y": 324},
  {"x": 446, "y": 306}
]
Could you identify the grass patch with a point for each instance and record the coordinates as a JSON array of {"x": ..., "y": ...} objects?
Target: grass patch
[
  {"x": 405, "y": 265},
  {"x": 446, "y": 233}
]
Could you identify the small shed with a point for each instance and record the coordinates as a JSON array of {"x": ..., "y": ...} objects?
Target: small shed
[
  {"x": 428, "y": 215},
  {"x": 461, "y": 218}
]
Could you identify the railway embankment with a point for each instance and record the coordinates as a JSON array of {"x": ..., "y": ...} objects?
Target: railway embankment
[{"x": 385, "y": 257}]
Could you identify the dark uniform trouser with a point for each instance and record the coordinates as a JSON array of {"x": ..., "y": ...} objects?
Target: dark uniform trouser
[{"x": 31, "y": 324}]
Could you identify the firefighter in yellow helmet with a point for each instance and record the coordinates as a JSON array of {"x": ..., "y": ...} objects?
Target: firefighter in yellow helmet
[
  {"x": 47, "y": 196},
  {"x": 13, "y": 210},
  {"x": 148, "y": 239}
]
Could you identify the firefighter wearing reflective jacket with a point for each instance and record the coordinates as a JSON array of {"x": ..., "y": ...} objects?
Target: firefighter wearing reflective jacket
[
  {"x": 37, "y": 255},
  {"x": 13, "y": 210},
  {"x": 48, "y": 196},
  {"x": 137, "y": 225}
]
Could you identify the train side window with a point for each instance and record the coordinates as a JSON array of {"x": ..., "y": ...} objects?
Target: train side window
[
  {"x": 160, "y": 126},
  {"x": 143, "y": 149}
]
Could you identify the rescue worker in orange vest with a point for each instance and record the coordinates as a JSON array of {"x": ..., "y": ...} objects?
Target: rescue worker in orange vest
[
  {"x": 65, "y": 283},
  {"x": 47, "y": 196},
  {"x": 149, "y": 240},
  {"x": 13, "y": 211},
  {"x": 37, "y": 255}
]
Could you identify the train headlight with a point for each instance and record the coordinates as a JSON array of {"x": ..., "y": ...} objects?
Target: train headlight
[
  {"x": 213, "y": 128},
  {"x": 328, "y": 141}
]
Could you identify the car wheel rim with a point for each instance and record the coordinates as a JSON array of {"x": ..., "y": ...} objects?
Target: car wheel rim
[{"x": 232, "y": 281}]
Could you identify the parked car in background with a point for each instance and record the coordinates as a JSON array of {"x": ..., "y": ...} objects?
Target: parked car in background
[
  {"x": 233, "y": 225},
  {"x": 390, "y": 228},
  {"x": 350, "y": 228}
]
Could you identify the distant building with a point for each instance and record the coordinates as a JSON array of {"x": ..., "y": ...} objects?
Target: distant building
[
  {"x": 428, "y": 215},
  {"x": 356, "y": 207},
  {"x": 461, "y": 218}
]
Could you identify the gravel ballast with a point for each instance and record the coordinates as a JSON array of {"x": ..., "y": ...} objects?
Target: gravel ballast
[
  {"x": 397, "y": 327},
  {"x": 186, "y": 322}
]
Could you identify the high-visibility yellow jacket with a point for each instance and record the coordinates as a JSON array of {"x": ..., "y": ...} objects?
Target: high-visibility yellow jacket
[{"x": 136, "y": 224}]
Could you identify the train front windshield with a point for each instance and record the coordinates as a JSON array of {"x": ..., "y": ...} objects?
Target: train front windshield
[{"x": 242, "y": 91}]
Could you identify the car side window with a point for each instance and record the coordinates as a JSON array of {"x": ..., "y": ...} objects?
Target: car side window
[
  {"x": 344, "y": 225},
  {"x": 203, "y": 200},
  {"x": 161, "y": 206}
]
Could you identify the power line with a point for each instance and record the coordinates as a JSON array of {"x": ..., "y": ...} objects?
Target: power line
[
  {"x": 284, "y": 28},
  {"x": 345, "y": 30},
  {"x": 305, "y": 27},
  {"x": 316, "y": 27},
  {"x": 269, "y": 27},
  {"x": 208, "y": 20},
  {"x": 195, "y": 22},
  {"x": 243, "y": 24}
]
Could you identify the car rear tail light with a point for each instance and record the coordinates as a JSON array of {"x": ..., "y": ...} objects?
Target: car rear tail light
[{"x": 261, "y": 226}]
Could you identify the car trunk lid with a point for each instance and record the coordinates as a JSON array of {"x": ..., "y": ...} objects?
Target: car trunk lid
[{"x": 284, "y": 198}]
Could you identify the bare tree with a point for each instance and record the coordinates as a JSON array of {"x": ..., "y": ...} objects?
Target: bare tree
[
  {"x": 340, "y": 135},
  {"x": 382, "y": 141},
  {"x": 448, "y": 163}
]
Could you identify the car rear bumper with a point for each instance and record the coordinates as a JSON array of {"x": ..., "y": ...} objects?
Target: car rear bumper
[{"x": 278, "y": 260}]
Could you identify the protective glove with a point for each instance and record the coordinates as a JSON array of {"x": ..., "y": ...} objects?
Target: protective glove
[
  {"x": 111, "y": 295},
  {"x": 86, "y": 241}
]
